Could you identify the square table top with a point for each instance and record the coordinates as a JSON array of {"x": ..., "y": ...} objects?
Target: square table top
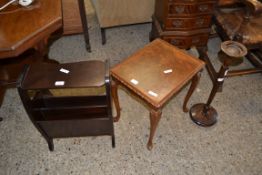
[{"x": 143, "y": 72}]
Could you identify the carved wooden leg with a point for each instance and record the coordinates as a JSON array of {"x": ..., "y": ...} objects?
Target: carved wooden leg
[
  {"x": 155, "y": 116},
  {"x": 114, "y": 88},
  {"x": 192, "y": 88}
]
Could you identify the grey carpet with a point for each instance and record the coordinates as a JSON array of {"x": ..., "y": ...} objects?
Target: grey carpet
[{"x": 232, "y": 146}]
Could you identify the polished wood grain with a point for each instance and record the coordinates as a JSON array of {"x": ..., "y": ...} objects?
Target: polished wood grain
[
  {"x": 150, "y": 62},
  {"x": 24, "y": 27},
  {"x": 147, "y": 67},
  {"x": 82, "y": 74}
]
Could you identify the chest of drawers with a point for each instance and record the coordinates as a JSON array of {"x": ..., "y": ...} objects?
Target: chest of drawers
[{"x": 183, "y": 23}]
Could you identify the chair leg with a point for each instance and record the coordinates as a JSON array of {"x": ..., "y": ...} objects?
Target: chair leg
[
  {"x": 82, "y": 10},
  {"x": 103, "y": 35}
]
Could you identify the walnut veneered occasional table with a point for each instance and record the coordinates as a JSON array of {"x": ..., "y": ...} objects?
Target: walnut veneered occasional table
[{"x": 155, "y": 73}]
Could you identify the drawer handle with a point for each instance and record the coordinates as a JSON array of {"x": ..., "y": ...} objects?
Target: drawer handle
[
  {"x": 177, "y": 23},
  {"x": 174, "y": 42},
  {"x": 199, "y": 22},
  {"x": 203, "y": 8},
  {"x": 180, "y": 9},
  {"x": 195, "y": 40}
]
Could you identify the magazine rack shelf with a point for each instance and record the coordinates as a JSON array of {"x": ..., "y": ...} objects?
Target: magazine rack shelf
[{"x": 60, "y": 116}]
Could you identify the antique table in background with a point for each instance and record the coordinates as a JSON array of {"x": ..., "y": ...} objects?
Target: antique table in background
[
  {"x": 144, "y": 74},
  {"x": 24, "y": 32}
]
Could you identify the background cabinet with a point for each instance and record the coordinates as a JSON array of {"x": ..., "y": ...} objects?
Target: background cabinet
[
  {"x": 183, "y": 23},
  {"x": 71, "y": 17}
]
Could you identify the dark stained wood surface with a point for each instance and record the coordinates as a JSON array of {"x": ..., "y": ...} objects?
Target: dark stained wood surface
[
  {"x": 22, "y": 28},
  {"x": 147, "y": 66},
  {"x": 66, "y": 115},
  {"x": 82, "y": 74}
]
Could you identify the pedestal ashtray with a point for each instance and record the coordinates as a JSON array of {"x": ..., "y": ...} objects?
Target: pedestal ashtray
[{"x": 232, "y": 53}]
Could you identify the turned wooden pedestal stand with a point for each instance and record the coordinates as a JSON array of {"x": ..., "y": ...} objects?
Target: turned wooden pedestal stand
[{"x": 231, "y": 54}]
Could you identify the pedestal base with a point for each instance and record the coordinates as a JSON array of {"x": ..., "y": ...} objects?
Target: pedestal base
[{"x": 202, "y": 118}]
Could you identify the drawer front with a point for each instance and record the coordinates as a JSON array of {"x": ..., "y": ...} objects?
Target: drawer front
[
  {"x": 187, "y": 41},
  {"x": 204, "y": 8},
  {"x": 183, "y": 9},
  {"x": 187, "y": 23}
]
